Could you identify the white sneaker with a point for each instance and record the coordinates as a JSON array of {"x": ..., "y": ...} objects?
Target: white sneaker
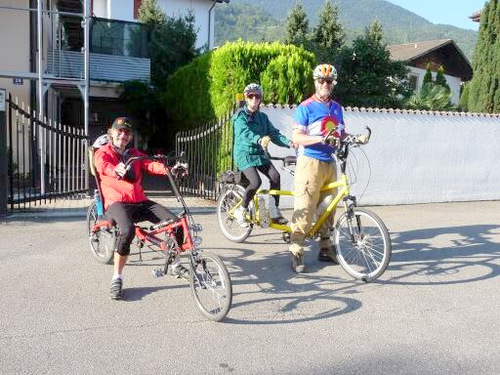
[
  {"x": 278, "y": 212},
  {"x": 276, "y": 216},
  {"x": 241, "y": 217}
]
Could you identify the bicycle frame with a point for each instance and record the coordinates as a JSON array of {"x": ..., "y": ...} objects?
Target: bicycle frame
[
  {"x": 344, "y": 191},
  {"x": 146, "y": 236},
  {"x": 360, "y": 238},
  {"x": 342, "y": 184}
]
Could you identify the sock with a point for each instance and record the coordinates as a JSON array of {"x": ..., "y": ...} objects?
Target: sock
[{"x": 117, "y": 276}]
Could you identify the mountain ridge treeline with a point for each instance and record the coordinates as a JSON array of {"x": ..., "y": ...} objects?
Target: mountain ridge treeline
[{"x": 262, "y": 20}]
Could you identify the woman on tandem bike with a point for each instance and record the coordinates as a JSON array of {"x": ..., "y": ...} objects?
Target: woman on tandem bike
[{"x": 252, "y": 133}]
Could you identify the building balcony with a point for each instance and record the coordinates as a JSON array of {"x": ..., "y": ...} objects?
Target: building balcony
[
  {"x": 118, "y": 52},
  {"x": 103, "y": 67}
]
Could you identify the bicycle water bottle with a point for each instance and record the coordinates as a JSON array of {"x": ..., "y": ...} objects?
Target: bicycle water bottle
[
  {"x": 263, "y": 213},
  {"x": 323, "y": 205},
  {"x": 98, "y": 203}
]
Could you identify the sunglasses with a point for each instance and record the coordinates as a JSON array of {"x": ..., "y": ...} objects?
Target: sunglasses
[
  {"x": 325, "y": 80},
  {"x": 251, "y": 96}
]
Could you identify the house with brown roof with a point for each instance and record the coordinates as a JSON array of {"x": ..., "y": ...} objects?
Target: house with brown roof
[
  {"x": 476, "y": 16},
  {"x": 434, "y": 53}
]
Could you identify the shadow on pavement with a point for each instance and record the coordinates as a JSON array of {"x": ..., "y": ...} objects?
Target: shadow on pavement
[
  {"x": 445, "y": 255},
  {"x": 288, "y": 294},
  {"x": 138, "y": 293}
]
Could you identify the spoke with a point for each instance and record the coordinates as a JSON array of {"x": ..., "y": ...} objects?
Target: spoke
[
  {"x": 375, "y": 261},
  {"x": 367, "y": 262},
  {"x": 373, "y": 249},
  {"x": 212, "y": 287}
]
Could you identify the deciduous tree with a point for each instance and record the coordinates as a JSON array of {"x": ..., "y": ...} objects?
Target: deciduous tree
[{"x": 172, "y": 40}]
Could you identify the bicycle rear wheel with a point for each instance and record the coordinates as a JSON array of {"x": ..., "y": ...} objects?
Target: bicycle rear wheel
[
  {"x": 102, "y": 241},
  {"x": 211, "y": 285},
  {"x": 363, "y": 244},
  {"x": 227, "y": 222}
]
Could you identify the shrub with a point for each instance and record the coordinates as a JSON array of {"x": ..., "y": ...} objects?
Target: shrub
[
  {"x": 206, "y": 89},
  {"x": 431, "y": 97}
]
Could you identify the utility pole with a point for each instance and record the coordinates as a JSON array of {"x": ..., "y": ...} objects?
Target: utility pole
[{"x": 41, "y": 114}]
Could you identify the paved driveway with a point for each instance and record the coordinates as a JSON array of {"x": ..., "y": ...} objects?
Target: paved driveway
[{"x": 434, "y": 311}]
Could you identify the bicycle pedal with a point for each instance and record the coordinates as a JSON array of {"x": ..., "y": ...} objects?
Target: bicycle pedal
[{"x": 158, "y": 272}]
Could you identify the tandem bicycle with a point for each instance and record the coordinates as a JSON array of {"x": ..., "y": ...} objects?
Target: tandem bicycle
[{"x": 361, "y": 239}]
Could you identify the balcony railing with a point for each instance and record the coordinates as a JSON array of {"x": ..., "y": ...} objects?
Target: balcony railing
[
  {"x": 69, "y": 64},
  {"x": 118, "y": 51}
]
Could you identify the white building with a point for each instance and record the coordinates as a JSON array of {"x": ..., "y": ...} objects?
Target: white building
[
  {"x": 418, "y": 55},
  {"x": 115, "y": 56},
  {"x": 127, "y": 10}
]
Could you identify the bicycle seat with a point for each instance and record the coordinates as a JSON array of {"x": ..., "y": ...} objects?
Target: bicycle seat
[{"x": 290, "y": 160}]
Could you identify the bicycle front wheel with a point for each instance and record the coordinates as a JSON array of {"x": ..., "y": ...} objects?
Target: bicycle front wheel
[
  {"x": 363, "y": 244},
  {"x": 227, "y": 222},
  {"x": 102, "y": 241},
  {"x": 211, "y": 285}
]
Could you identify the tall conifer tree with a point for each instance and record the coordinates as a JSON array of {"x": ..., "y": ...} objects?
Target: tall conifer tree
[
  {"x": 367, "y": 75},
  {"x": 328, "y": 36},
  {"x": 428, "y": 75},
  {"x": 441, "y": 79},
  {"x": 484, "y": 90},
  {"x": 297, "y": 26}
]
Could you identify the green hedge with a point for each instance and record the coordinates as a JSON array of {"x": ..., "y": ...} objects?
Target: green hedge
[{"x": 206, "y": 89}]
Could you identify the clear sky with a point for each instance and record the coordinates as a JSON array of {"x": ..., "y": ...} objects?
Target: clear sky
[{"x": 448, "y": 12}]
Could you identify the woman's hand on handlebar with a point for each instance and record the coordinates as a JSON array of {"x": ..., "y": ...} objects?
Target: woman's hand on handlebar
[{"x": 264, "y": 141}]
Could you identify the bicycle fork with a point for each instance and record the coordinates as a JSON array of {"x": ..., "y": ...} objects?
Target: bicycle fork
[{"x": 349, "y": 204}]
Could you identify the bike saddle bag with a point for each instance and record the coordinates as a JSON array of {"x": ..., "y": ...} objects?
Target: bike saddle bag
[
  {"x": 234, "y": 177},
  {"x": 290, "y": 160}
]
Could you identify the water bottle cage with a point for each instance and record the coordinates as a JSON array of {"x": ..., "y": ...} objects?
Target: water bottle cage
[{"x": 264, "y": 220}]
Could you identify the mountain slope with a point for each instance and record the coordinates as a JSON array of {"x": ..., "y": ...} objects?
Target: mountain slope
[
  {"x": 264, "y": 20},
  {"x": 354, "y": 14}
]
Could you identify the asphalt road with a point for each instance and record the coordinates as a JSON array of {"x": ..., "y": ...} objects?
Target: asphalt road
[{"x": 434, "y": 311}]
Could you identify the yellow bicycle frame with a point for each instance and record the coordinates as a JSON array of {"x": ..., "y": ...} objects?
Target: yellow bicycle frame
[{"x": 342, "y": 184}]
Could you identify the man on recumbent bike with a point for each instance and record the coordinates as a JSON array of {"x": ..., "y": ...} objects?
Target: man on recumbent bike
[{"x": 124, "y": 199}]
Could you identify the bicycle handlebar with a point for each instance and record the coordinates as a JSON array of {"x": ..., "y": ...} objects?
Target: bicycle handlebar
[
  {"x": 166, "y": 158},
  {"x": 354, "y": 140},
  {"x": 180, "y": 167},
  {"x": 348, "y": 140}
]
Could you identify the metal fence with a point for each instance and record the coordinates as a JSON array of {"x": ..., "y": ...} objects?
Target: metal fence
[
  {"x": 209, "y": 151},
  {"x": 46, "y": 160}
]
